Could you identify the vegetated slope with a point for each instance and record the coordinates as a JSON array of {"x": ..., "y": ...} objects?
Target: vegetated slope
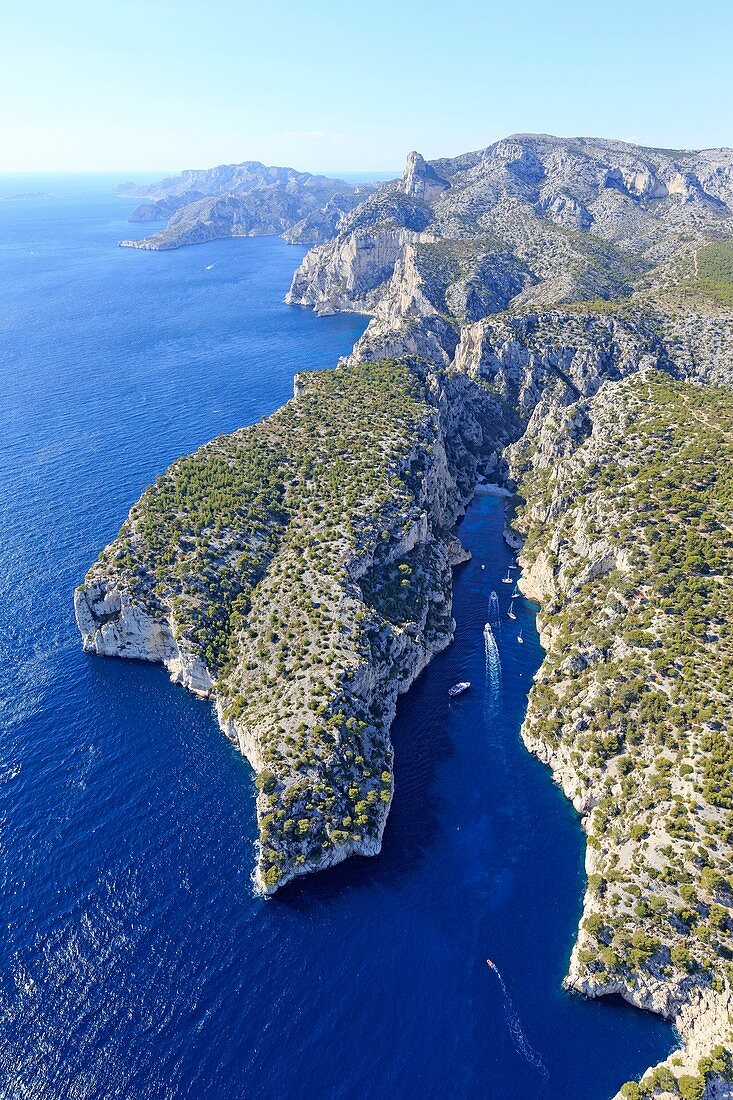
[
  {"x": 629, "y": 547},
  {"x": 298, "y": 571},
  {"x": 236, "y": 200}
]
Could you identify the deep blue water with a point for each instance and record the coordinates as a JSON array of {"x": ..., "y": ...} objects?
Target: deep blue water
[{"x": 136, "y": 961}]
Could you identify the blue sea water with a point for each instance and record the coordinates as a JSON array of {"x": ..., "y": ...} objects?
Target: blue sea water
[{"x": 135, "y": 960}]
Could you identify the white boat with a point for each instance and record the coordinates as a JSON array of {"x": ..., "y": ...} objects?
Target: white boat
[
  {"x": 459, "y": 688},
  {"x": 508, "y": 578},
  {"x": 520, "y": 639},
  {"x": 511, "y": 612}
]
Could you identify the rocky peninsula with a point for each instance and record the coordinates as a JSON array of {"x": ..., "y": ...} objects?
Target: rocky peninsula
[
  {"x": 241, "y": 200},
  {"x": 556, "y": 316}
]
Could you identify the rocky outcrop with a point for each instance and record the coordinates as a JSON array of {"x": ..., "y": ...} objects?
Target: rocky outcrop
[
  {"x": 420, "y": 180},
  {"x": 113, "y": 624},
  {"x": 350, "y": 272}
]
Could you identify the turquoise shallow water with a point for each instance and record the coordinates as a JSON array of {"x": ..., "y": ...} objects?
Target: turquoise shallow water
[{"x": 136, "y": 960}]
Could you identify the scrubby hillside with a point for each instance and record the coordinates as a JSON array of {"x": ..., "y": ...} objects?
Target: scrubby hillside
[
  {"x": 629, "y": 550},
  {"x": 299, "y": 573},
  {"x": 556, "y": 315}
]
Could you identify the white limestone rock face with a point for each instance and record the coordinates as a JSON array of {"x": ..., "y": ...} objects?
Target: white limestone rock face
[
  {"x": 112, "y": 624},
  {"x": 349, "y": 273},
  {"x": 647, "y": 206},
  {"x": 420, "y": 179}
]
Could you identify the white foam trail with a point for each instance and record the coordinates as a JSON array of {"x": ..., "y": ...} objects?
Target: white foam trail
[
  {"x": 520, "y": 1040},
  {"x": 493, "y": 665}
]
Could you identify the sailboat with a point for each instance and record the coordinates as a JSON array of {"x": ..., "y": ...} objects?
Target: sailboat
[{"x": 511, "y": 605}]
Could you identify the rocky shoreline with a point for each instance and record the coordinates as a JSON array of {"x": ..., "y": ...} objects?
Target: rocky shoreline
[{"x": 520, "y": 341}]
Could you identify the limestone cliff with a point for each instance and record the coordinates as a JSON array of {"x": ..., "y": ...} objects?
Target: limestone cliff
[
  {"x": 632, "y": 708},
  {"x": 555, "y": 315}
]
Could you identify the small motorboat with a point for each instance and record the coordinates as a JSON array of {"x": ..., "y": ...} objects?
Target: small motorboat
[
  {"x": 491, "y": 963},
  {"x": 459, "y": 688},
  {"x": 520, "y": 639}
]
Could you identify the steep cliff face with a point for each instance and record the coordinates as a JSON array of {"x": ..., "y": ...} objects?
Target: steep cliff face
[
  {"x": 631, "y": 709},
  {"x": 421, "y": 181},
  {"x": 350, "y": 272}
]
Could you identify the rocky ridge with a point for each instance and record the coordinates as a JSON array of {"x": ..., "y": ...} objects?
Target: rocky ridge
[{"x": 531, "y": 220}]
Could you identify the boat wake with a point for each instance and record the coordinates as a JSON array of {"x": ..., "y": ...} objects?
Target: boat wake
[
  {"x": 513, "y": 1023},
  {"x": 493, "y": 666}
]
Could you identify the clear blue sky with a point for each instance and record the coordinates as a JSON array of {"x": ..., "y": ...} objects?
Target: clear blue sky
[{"x": 126, "y": 85}]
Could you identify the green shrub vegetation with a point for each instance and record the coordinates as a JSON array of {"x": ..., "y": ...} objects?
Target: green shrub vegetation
[
  {"x": 713, "y": 274},
  {"x": 255, "y": 544},
  {"x": 634, "y": 695}
]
